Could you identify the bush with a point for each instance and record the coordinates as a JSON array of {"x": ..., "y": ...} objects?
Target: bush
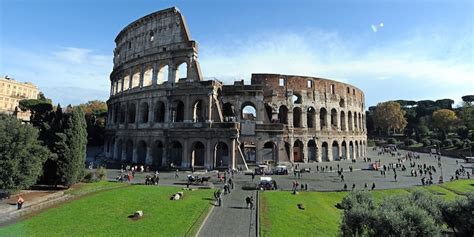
[
  {"x": 435, "y": 142},
  {"x": 426, "y": 142},
  {"x": 447, "y": 143},
  {"x": 409, "y": 142},
  {"x": 101, "y": 173},
  {"x": 457, "y": 142},
  {"x": 89, "y": 177},
  {"x": 392, "y": 140}
]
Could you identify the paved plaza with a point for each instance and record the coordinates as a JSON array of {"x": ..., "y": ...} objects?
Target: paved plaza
[{"x": 330, "y": 180}]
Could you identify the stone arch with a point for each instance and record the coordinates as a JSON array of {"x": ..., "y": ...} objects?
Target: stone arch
[
  {"x": 129, "y": 151},
  {"x": 135, "y": 79},
  {"x": 297, "y": 117},
  {"x": 269, "y": 151},
  {"x": 160, "y": 109},
  {"x": 157, "y": 154},
  {"x": 144, "y": 111},
  {"x": 249, "y": 151},
  {"x": 229, "y": 112},
  {"x": 356, "y": 152},
  {"x": 132, "y": 111},
  {"x": 296, "y": 98},
  {"x": 182, "y": 71},
  {"x": 198, "y": 111},
  {"x": 178, "y": 111},
  {"x": 351, "y": 150},
  {"x": 343, "y": 121},
  {"x": 310, "y": 117},
  {"x": 148, "y": 76},
  {"x": 355, "y": 121},
  {"x": 283, "y": 114},
  {"x": 249, "y": 111},
  {"x": 122, "y": 113},
  {"x": 119, "y": 150},
  {"x": 335, "y": 150},
  {"x": 298, "y": 155},
  {"x": 312, "y": 151},
  {"x": 324, "y": 151},
  {"x": 323, "y": 118},
  {"x": 176, "y": 154},
  {"x": 341, "y": 103},
  {"x": 115, "y": 114},
  {"x": 344, "y": 150},
  {"x": 162, "y": 75},
  {"x": 198, "y": 154},
  {"x": 125, "y": 82},
  {"x": 221, "y": 155},
  {"x": 141, "y": 152},
  {"x": 269, "y": 112},
  {"x": 334, "y": 118},
  {"x": 349, "y": 120}
]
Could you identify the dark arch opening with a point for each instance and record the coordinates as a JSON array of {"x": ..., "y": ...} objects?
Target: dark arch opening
[
  {"x": 221, "y": 155},
  {"x": 249, "y": 111},
  {"x": 312, "y": 151},
  {"x": 176, "y": 154},
  {"x": 198, "y": 112},
  {"x": 334, "y": 118},
  {"x": 159, "y": 112},
  {"x": 323, "y": 118},
  {"x": 310, "y": 117},
  {"x": 129, "y": 151},
  {"x": 344, "y": 150},
  {"x": 198, "y": 154},
  {"x": 335, "y": 151},
  {"x": 144, "y": 112},
  {"x": 297, "y": 117},
  {"x": 229, "y": 112},
  {"x": 269, "y": 152},
  {"x": 132, "y": 110},
  {"x": 157, "y": 154},
  {"x": 324, "y": 151},
  {"x": 283, "y": 114},
  {"x": 141, "y": 152},
  {"x": 178, "y": 111},
  {"x": 298, "y": 155}
]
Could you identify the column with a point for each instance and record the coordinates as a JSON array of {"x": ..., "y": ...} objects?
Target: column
[
  {"x": 171, "y": 73},
  {"x": 339, "y": 150},
  {"x": 149, "y": 158},
  {"x": 232, "y": 152},
  {"x": 305, "y": 151},
  {"x": 319, "y": 155},
  {"x": 330, "y": 158},
  {"x": 130, "y": 79},
  {"x": 292, "y": 157},
  {"x": 304, "y": 118},
  {"x": 142, "y": 73},
  {"x": 328, "y": 120},
  {"x": 209, "y": 108},
  {"x": 154, "y": 75},
  {"x": 317, "y": 122},
  {"x": 209, "y": 157}
]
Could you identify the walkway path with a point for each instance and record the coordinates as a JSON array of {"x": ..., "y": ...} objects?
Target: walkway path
[{"x": 232, "y": 218}]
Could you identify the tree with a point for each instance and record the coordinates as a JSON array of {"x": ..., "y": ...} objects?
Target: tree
[
  {"x": 468, "y": 99},
  {"x": 74, "y": 144},
  {"x": 458, "y": 215},
  {"x": 96, "y": 112},
  {"x": 22, "y": 155},
  {"x": 359, "y": 209},
  {"x": 445, "y": 103},
  {"x": 443, "y": 119},
  {"x": 389, "y": 116}
]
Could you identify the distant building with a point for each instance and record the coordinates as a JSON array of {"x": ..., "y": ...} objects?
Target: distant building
[{"x": 11, "y": 92}]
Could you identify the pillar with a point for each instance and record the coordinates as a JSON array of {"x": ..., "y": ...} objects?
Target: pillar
[{"x": 154, "y": 76}]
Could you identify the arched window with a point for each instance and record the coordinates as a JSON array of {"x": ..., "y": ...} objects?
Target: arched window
[
  {"x": 141, "y": 152},
  {"x": 176, "y": 154},
  {"x": 198, "y": 154},
  {"x": 221, "y": 155},
  {"x": 297, "y": 117},
  {"x": 147, "y": 77},
  {"x": 343, "y": 121},
  {"x": 162, "y": 75},
  {"x": 144, "y": 112},
  {"x": 310, "y": 117},
  {"x": 296, "y": 99},
  {"x": 198, "y": 112},
  {"x": 312, "y": 151},
  {"x": 341, "y": 103},
  {"x": 298, "y": 155},
  {"x": 335, "y": 151},
  {"x": 269, "y": 151},
  {"x": 152, "y": 36},
  {"x": 344, "y": 150},
  {"x": 323, "y": 118},
  {"x": 249, "y": 112},
  {"x": 178, "y": 111},
  {"x": 129, "y": 151},
  {"x": 283, "y": 114},
  {"x": 136, "y": 79},
  {"x": 159, "y": 112},
  {"x": 229, "y": 112},
  {"x": 157, "y": 154},
  {"x": 334, "y": 118},
  {"x": 132, "y": 110},
  {"x": 349, "y": 120},
  {"x": 182, "y": 71},
  {"x": 324, "y": 151}
]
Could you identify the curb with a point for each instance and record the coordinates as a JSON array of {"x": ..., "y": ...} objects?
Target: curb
[{"x": 205, "y": 220}]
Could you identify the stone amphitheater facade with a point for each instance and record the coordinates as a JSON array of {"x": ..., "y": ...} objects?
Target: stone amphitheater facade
[{"x": 162, "y": 112}]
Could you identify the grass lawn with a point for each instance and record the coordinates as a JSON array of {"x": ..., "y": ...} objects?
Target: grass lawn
[
  {"x": 280, "y": 216},
  {"x": 106, "y": 214},
  {"x": 84, "y": 188}
]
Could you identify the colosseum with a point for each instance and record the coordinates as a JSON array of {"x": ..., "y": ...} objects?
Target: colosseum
[{"x": 163, "y": 113}]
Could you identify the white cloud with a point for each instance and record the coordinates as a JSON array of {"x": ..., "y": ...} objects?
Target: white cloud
[
  {"x": 68, "y": 75},
  {"x": 399, "y": 64}
]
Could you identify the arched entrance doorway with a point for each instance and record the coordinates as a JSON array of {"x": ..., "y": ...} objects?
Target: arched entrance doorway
[
  {"x": 335, "y": 150},
  {"x": 344, "y": 150},
  {"x": 141, "y": 153},
  {"x": 157, "y": 154},
  {"x": 298, "y": 155},
  {"x": 269, "y": 152},
  {"x": 312, "y": 151},
  {"x": 221, "y": 155},
  {"x": 176, "y": 154},
  {"x": 198, "y": 154},
  {"x": 324, "y": 151}
]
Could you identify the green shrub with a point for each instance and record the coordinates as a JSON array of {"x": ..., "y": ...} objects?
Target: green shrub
[
  {"x": 447, "y": 142},
  {"x": 409, "y": 142},
  {"x": 457, "y": 142},
  {"x": 89, "y": 177},
  {"x": 435, "y": 142},
  {"x": 101, "y": 173},
  {"x": 392, "y": 140},
  {"x": 426, "y": 142}
]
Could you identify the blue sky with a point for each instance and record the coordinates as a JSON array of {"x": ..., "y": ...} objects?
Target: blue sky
[{"x": 390, "y": 49}]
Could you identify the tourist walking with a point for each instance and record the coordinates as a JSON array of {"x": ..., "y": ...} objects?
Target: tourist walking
[{"x": 20, "y": 202}]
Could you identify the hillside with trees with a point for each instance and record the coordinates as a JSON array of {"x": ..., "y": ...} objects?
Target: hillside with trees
[{"x": 425, "y": 124}]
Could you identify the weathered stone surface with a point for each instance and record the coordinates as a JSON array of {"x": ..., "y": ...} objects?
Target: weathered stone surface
[{"x": 171, "y": 121}]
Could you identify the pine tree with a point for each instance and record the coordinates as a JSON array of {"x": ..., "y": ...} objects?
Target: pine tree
[{"x": 75, "y": 142}]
